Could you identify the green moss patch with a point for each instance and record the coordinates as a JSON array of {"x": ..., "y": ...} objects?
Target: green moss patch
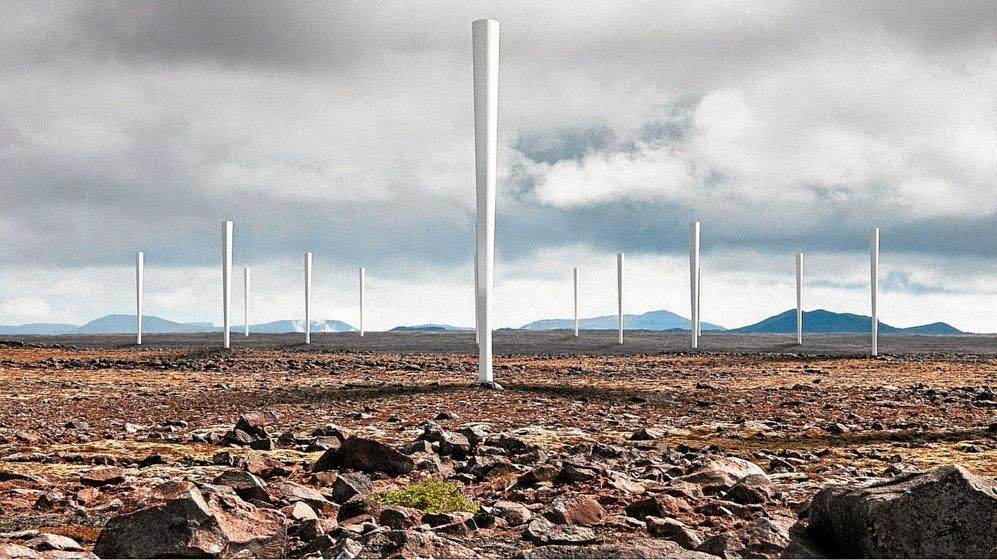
[{"x": 429, "y": 495}]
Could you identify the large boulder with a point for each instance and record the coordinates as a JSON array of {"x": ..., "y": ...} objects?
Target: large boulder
[
  {"x": 944, "y": 513},
  {"x": 365, "y": 455},
  {"x": 210, "y": 522}
]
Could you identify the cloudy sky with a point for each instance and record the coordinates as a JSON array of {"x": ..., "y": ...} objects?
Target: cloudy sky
[{"x": 346, "y": 129}]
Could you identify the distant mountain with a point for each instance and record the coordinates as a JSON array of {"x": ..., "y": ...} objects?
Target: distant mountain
[
  {"x": 38, "y": 328},
  {"x": 650, "y": 321},
  {"x": 121, "y": 324},
  {"x": 115, "y": 324},
  {"x": 430, "y": 328},
  {"x": 932, "y": 328},
  {"x": 823, "y": 321},
  {"x": 288, "y": 326}
]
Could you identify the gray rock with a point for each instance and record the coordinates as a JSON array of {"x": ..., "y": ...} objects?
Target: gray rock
[
  {"x": 247, "y": 485},
  {"x": 542, "y": 532},
  {"x": 358, "y": 506},
  {"x": 945, "y": 513},
  {"x": 410, "y": 544},
  {"x": 762, "y": 538},
  {"x": 200, "y": 523},
  {"x": 634, "y": 549},
  {"x": 348, "y": 485},
  {"x": 721, "y": 473},
  {"x": 49, "y": 541}
]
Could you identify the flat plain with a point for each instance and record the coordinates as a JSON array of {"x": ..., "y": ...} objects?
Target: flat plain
[{"x": 807, "y": 415}]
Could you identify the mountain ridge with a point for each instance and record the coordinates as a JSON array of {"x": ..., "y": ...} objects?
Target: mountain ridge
[
  {"x": 658, "y": 320},
  {"x": 822, "y": 321}
]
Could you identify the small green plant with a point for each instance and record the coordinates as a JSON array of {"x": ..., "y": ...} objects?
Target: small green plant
[{"x": 429, "y": 495}]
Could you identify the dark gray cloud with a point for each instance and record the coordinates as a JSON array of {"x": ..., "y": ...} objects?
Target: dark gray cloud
[{"x": 345, "y": 128}]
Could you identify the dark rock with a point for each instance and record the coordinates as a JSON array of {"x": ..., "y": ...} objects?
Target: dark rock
[
  {"x": 514, "y": 444},
  {"x": 77, "y": 425},
  {"x": 661, "y": 505},
  {"x": 450, "y": 443},
  {"x": 263, "y": 444},
  {"x": 151, "y": 460},
  {"x": 15, "y": 475},
  {"x": 542, "y": 473},
  {"x": 572, "y": 473},
  {"x": 461, "y": 528},
  {"x": 208, "y": 523},
  {"x": 752, "y": 489},
  {"x": 411, "y": 544},
  {"x": 247, "y": 485},
  {"x": 340, "y": 433},
  {"x": 837, "y": 428},
  {"x": 365, "y": 455},
  {"x": 103, "y": 476},
  {"x": 945, "y": 513},
  {"x": 673, "y": 530},
  {"x": 358, "y": 506},
  {"x": 513, "y": 513},
  {"x": 647, "y": 434},
  {"x": 348, "y": 485},
  {"x": 49, "y": 501},
  {"x": 255, "y": 424},
  {"x": 475, "y": 433},
  {"x": 399, "y": 518},
  {"x": 238, "y": 437},
  {"x": 434, "y": 519}
]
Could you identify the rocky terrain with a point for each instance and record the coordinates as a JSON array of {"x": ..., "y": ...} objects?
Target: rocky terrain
[{"x": 263, "y": 452}]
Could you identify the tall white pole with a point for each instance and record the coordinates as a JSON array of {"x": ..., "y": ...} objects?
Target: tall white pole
[
  {"x": 227, "y": 280},
  {"x": 362, "y": 277},
  {"x": 619, "y": 292},
  {"x": 139, "y": 280},
  {"x": 799, "y": 298},
  {"x": 477, "y": 334},
  {"x": 874, "y": 285},
  {"x": 576, "y": 301},
  {"x": 308, "y": 298},
  {"x": 485, "y": 45},
  {"x": 694, "y": 280},
  {"x": 699, "y": 302},
  {"x": 245, "y": 298}
]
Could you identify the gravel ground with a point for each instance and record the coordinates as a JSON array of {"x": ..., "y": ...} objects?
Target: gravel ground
[{"x": 552, "y": 343}]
